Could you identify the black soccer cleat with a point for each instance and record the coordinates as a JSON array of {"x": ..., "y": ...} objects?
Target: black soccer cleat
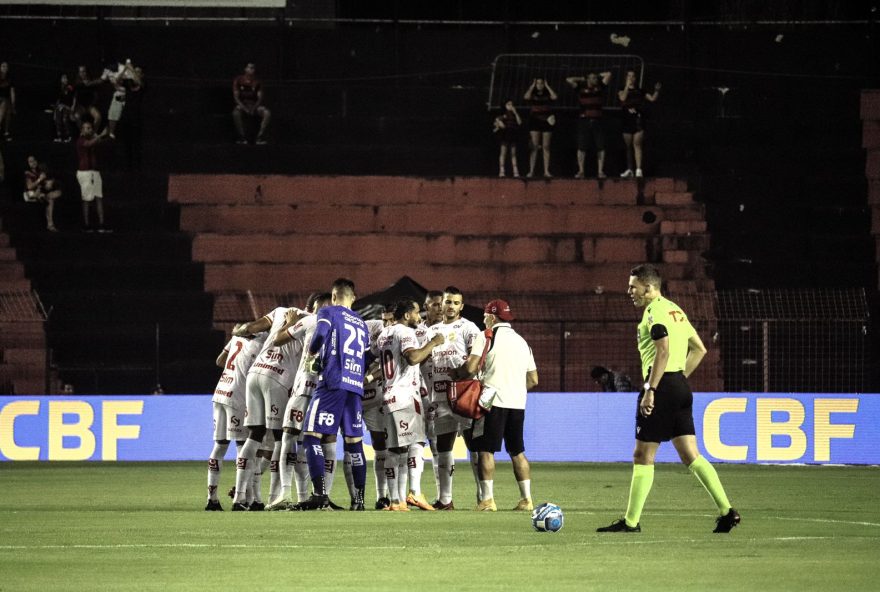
[
  {"x": 356, "y": 507},
  {"x": 238, "y": 507},
  {"x": 728, "y": 521},
  {"x": 213, "y": 506},
  {"x": 620, "y": 526},
  {"x": 257, "y": 507},
  {"x": 382, "y": 503},
  {"x": 315, "y": 502}
]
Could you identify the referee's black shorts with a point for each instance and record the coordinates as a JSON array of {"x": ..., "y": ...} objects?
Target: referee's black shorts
[
  {"x": 502, "y": 424},
  {"x": 673, "y": 414}
]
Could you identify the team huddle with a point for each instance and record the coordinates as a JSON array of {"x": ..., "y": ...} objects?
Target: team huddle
[{"x": 293, "y": 379}]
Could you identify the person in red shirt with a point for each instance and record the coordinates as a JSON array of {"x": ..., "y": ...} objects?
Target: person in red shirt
[
  {"x": 590, "y": 126},
  {"x": 632, "y": 100},
  {"x": 507, "y": 126},
  {"x": 87, "y": 174},
  {"x": 247, "y": 91},
  {"x": 541, "y": 122},
  {"x": 40, "y": 186}
]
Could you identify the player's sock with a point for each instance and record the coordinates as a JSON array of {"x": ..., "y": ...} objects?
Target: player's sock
[
  {"x": 446, "y": 468},
  {"x": 435, "y": 464},
  {"x": 415, "y": 465},
  {"x": 329, "y": 449},
  {"x": 346, "y": 472},
  {"x": 525, "y": 489},
  {"x": 358, "y": 469},
  {"x": 274, "y": 473},
  {"x": 392, "y": 459},
  {"x": 639, "y": 488},
  {"x": 215, "y": 463},
  {"x": 487, "y": 490},
  {"x": 301, "y": 469},
  {"x": 259, "y": 468},
  {"x": 379, "y": 472},
  {"x": 244, "y": 467},
  {"x": 475, "y": 469},
  {"x": 315, "y": 457},
  {"x": 401, "y": 476},
  {"x": 288, "y": 460},
  {"x": 705, "y": 474}
]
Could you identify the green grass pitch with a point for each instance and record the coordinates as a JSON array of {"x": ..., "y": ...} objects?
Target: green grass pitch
[{"x": 141, "y": 526}]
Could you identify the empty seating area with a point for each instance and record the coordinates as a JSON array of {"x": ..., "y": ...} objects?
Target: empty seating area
[{"x": 557, "y": 242}]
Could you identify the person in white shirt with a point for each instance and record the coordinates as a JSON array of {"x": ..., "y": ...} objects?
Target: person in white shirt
[{"x": 509, "y": 372}]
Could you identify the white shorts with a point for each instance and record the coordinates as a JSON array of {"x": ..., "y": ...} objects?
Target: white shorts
[
  {"x": 227, "y": 423},
  {"x": 90, "y": 185},
  {"x": 114, "y": 113},
  {"x": 374, "y": 419},
  {"x": 295, "y": 412},
  {"x": 266, "y": 401},
  {"x": 405, "y": 426}
]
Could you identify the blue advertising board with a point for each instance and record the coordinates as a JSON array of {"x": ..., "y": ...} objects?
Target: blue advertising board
[{"x": 594, "y": 427}]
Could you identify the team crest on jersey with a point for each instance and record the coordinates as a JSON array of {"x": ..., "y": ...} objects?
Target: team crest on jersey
[
  {"x": 451, "y": 337},
  {"x": 650, "y": 319}
]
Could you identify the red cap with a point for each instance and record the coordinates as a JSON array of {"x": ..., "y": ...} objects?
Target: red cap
[{"x": 500, "y": 309}]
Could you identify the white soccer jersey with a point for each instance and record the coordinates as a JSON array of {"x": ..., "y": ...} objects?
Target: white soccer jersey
[
  {"x": 462, "y": 338},
  {"x": 240, "y": 354},
  {"x": 401, "y": 379},
  {"x": 273, "y": 361},
  {"x": 302, "y": 333}
]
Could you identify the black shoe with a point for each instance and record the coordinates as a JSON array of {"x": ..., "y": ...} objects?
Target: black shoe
[
  {"x": 727, "y": 522},
  {"x": 315, "y": 502},
  {"x": 382, "y": 503},
  {"x": 257, "y": 507},
  {"x": 620, "y": 526},
  {"x": 333, "y": 506},
  {"x": 237, "y": 507},
  {"x": 213, "y": 506},
  {"x": 356, "y": 507}
]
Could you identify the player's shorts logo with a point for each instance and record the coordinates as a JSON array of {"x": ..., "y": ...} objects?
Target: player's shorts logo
[
  {"x": 403, "y": 425},
  {"x": 274, "y": 409},
  {"x": 326, "y": 419}
]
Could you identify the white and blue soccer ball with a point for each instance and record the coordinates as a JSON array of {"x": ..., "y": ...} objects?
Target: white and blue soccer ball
[{"x": 547, "y": 518}]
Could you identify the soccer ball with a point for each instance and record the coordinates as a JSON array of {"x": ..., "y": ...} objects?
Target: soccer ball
[{"x": 547, "y": 518}]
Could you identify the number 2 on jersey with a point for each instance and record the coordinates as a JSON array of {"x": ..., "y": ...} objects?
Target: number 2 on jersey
[{"x": 230, "y": 364}]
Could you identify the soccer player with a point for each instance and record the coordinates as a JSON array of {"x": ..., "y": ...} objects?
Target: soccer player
[
  {"x": 400, "y": 355},
  {"x": 433, "y": 315},
  {"x": 298, "y": 333},
  {"x": 229, "y": 405},
  {"x": 374, "y": 417},
  {"x": 461, "y": 336},
  {"x": 337, "y": 352},
  {"x": 269, "y": 381},
  {"x": 670, "y": 350}
]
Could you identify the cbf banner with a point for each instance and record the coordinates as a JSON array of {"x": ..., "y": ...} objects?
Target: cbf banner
[{"x": 594, "y": 427}]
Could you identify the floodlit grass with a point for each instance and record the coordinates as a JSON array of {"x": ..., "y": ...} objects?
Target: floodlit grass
[{"x": 141, "y": 526}]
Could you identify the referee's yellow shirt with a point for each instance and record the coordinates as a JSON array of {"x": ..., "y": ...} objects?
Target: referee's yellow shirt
[{"x": 667, "y": 313}]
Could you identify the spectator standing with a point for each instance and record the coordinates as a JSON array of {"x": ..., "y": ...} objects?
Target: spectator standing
[
  {"x": 507, "y": 126},
  {"x": 40, "y": 186},
  {"x": 65, "y": 121},
  {"x": 85, "y": 97},
  {"x": 7, "y": 100},
  {"x": 89, "y": 176},
  {"x": 541, "y": 122},
  {"x": 121, "y": 80},
  {"x": 590, "y": 124},
  {"x": 509, "y": 372},
  {"x": 247, "y": 92},
  {"x": 632, "y": 100},
  {"x": 610, "y": 381}
]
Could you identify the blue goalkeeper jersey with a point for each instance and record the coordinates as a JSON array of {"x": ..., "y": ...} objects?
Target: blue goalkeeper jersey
[{"x": 340, "y": 339}]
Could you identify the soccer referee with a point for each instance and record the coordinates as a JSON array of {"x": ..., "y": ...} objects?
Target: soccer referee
[{"x": 670, "y": 350}]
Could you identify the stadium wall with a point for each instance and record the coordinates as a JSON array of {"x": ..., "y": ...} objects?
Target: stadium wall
[{"x": 573, "y": 427}]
